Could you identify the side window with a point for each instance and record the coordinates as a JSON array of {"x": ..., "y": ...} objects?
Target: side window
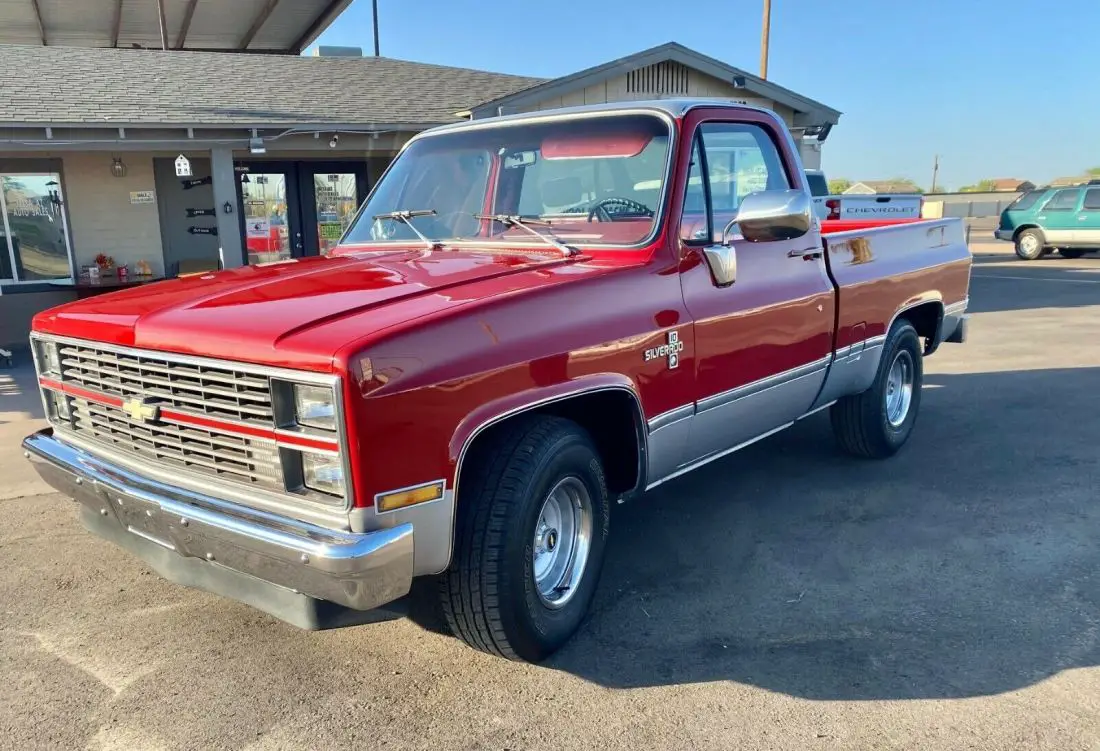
[
  {"x": 736, "y": 159},
  {"x": 695, "y": 220},
  {"x": 1092, "y": 199},
  {"x": 741, "y": 159},
  {"x": 1063, "y": 200}
]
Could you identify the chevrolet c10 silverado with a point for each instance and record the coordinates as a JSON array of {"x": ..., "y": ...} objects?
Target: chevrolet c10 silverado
[{"x": 530, "y": 318}]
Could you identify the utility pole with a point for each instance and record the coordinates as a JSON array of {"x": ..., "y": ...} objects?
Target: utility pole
[
  {"x": 765, "y": 32},
  {"x": 935, "y": 172},
  {"x": 374, "y": 8}
]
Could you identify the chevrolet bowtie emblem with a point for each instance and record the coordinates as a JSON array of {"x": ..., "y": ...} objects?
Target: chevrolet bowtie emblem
[{"x": 141, "y": 410}]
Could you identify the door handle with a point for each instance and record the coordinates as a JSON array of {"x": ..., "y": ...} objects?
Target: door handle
[{"x": 806, "y": 255}]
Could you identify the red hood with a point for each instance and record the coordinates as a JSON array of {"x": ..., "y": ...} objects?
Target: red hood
[{"x": 245, "y": 314}]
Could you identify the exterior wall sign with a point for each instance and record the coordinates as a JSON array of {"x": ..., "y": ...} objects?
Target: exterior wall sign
[
  {"x": 191, "y": 213},
  {"x": 183, "y": 166},
  {"x": 202, "y": 230},
  {"x": 188, "y": 184},
  {"x": 142, "y": 196}
]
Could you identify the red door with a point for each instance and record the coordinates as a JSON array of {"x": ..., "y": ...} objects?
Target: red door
[{"x": 763, "y": 344}]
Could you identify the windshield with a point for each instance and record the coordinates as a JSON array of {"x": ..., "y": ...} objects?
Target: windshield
[{"x": 596, "y": 180}]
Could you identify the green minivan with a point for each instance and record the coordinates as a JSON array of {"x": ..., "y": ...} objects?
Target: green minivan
[{"x": 1045, "y": 219}]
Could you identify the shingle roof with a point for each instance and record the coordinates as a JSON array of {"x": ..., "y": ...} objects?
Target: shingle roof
[{"x": 69, "y": 85}]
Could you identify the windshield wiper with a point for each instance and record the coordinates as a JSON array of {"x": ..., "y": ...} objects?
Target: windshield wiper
[
  {"x": 515, "y": 220},
  {"x": 406, "y": 216}
]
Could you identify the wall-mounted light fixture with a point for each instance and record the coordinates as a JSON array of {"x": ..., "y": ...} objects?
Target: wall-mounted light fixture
[
  {"x": 118, "y": 169},
  {"x": 334, "y": 140},
  {"x": 256, "y": 146}
]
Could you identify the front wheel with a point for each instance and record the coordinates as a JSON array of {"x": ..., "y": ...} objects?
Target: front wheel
[
  {"x": 1029, "y": 244},
  {"x": 878, "y": 422},
  {"x": 529, "y": 540}
]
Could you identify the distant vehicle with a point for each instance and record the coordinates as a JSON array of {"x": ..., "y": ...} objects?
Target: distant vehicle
[
  {"x": 854, "y": 206},
  {"x": 1048, "y": 219}
]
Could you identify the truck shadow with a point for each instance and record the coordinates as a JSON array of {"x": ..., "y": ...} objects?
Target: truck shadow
[{"x": 964, "y": 566}]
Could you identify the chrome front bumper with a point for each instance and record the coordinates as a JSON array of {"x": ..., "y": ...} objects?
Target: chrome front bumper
[{"x": 224, "y": 547}]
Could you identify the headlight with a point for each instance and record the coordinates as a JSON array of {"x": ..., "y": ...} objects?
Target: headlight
[
  {"x": 314, "y": 407},
  {"x": 49, "y": 359},
  {"x": 323, "y": 473}
]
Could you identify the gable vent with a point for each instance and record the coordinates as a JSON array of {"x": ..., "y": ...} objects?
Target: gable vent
[{"x": 660, "y": 78}]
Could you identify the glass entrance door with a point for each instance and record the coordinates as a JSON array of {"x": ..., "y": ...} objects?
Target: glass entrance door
[
  {"x": 270, "y": 214},
  {"x": 336, "y": 197},
  {"x": 295, "y": 209},
  {"x": 332, "y": 192}
]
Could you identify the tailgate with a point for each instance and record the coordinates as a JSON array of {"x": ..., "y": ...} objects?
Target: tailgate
[{"x": 880, "y": 207}]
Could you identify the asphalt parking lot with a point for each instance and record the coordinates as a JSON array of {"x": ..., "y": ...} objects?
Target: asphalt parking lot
[{"x": 785, "y": 597}]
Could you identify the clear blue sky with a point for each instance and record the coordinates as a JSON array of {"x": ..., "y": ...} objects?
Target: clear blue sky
[{"x": 999, "y": 88}]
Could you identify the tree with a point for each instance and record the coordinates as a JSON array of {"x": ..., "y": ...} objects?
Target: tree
[
  {"x": 982, "y": 186},
  {"x": 839, "y": 185},
  {"x": 1093, "y": 172}
]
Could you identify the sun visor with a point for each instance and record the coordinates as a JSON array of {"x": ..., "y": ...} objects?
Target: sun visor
[{"x": 595, "y": 145}]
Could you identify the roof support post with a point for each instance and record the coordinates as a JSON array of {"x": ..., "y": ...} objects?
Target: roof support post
[
  {"x": 163, "y": 25},
  {"x": 38, "y": 18},
  {"x": 116, "y": 24},
  {"x": 188, "y": 14},
  {"x": 224, "y": 182},
  {"x": 261, "y": 19}
]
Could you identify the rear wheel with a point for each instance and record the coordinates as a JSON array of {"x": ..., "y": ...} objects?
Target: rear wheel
[
  {"x": 1029, "y": 244},
  {"x": 529, "y": 539},
  {"x": 878, "y": 422},
  {"x": 1071, "y": 252}
]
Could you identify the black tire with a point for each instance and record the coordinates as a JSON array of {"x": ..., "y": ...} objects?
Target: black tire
[
  {"x": 490, "y": 598},
  {"x": 1071, "y": 252},
  {"x": 861, "y": 422},
  {"x": 1029, "y": 244}
]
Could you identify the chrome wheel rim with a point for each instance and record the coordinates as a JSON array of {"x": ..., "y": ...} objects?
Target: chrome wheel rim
[
  {"x": 1030, "y": 243},
  {"x": 899, "y": 388},
  {"x": 562, "y": 541}
]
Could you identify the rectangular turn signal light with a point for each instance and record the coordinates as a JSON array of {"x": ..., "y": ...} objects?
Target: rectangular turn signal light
[{"x": 431, "y": 491}]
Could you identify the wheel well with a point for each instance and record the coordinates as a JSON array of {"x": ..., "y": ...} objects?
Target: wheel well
[
  {"x": 926, "y": 319},
  {"x": 1018, "y": 230},
  {"x": 612, "y": 417}
]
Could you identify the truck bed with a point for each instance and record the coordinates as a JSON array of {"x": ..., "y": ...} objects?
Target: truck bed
[{"x": 924, "y": 261}]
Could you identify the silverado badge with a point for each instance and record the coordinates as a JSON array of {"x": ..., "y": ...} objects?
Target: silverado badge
[
  {"x": 140, "y": 409},
  {"x": 670, "y": 349}
]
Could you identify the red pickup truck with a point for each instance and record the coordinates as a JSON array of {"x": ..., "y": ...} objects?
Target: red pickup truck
[{"x": 531, "y": 317}]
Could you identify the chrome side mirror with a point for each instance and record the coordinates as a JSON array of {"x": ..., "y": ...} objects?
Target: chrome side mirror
[{"x": 772, "y": 215}]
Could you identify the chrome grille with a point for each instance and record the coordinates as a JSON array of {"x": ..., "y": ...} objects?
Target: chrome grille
[
  {"x": 252, "y": 461},
  {"x": 201, "y": 389}
]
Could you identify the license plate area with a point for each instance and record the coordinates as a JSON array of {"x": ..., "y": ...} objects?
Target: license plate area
[{"x": 146, "y": 520}]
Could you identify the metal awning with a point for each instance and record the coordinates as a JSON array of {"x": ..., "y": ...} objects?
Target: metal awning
[{"x": 255, "y": 25}]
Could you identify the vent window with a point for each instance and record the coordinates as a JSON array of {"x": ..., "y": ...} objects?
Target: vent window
[{"x": 660, "y": 78}]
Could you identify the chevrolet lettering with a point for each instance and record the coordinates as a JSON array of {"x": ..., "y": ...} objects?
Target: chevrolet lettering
[{"x": 457, "y": 395}]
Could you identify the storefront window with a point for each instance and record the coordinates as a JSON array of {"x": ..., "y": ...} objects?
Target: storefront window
[{"x": 34, "y": 233}]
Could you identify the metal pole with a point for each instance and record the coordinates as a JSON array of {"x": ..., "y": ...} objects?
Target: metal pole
[
  {"x": 765, "y": 32},
  {"x": 163, "y": 25},
  {"x": 374, "y": 8},
  {"x": 935, "y": 172}
]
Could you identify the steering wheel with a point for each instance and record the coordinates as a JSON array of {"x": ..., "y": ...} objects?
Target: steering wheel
[{"x": 600, "y": 213}]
